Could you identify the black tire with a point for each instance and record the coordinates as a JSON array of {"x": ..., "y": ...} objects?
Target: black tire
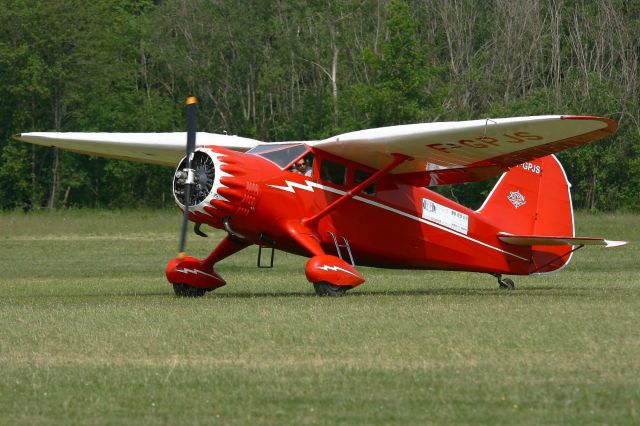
[
  {"x": 183, "y": 290},
  {"x": 507, "y": 284},
  {"x": 324, "y": 288}
]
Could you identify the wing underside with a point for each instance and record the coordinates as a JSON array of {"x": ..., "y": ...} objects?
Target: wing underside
[{"x": 156, "y": 148}]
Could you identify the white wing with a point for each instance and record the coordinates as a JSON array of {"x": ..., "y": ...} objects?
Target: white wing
[
  {"x": 489, "y": 143},
  {"x": 443, "y": 153},
  {"x": 157, "y": 148}
]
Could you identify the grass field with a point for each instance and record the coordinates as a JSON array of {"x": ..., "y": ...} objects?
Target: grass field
[{"x": 92, "y": 334}]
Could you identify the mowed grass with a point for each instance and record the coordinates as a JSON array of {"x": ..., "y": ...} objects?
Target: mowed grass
[{"x": 92, "y": 334}]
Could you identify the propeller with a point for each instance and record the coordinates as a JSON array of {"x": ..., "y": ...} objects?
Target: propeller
[{"x": 192, "y": 124}]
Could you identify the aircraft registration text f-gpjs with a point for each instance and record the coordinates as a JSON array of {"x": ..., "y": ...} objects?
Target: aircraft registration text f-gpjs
[{"x": 362, "y": 198}]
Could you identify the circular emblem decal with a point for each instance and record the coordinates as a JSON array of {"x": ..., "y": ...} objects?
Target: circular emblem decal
[{"x": 517, "y": 199}]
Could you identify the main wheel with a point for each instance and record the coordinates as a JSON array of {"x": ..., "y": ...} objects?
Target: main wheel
[
  {"x": 506, "y": 284},
  {"x": 324, "y": 288},
  {"x": 184, "y": 290}
]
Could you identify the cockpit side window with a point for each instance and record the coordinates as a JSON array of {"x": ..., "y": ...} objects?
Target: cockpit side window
[
  {"x": 303, "y": 165},
  {"x": 359, "y": 177},
  {"x": 280, "y": 154},
  {"x": 333, "y": 172}
]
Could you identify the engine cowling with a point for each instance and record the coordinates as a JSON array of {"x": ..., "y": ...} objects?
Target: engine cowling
[{"x": 220, "y": 187}]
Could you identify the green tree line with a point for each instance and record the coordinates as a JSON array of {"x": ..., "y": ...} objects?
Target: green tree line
[{"x": 297, "y": 70}]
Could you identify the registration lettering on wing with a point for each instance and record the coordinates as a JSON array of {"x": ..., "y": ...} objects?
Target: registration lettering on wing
[{"x": 445, "y": 216}]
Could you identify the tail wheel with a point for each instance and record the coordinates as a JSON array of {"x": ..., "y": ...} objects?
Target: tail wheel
[
  {"x": 324, "y": 288},
  {"x": 506, "y": 284},
  {"x": 184, "y": 290}
]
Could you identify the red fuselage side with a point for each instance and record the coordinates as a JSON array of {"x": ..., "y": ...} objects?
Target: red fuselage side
[{"x": 398, "y": 226}]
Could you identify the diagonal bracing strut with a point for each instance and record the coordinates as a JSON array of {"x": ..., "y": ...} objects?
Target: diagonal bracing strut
[{"x": 397, "y": 160}]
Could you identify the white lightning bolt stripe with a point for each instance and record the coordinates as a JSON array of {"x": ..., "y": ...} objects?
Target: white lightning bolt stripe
[
  {"x": 335, "y": 268},
  {"x": 310, "y": 185},
  {"x": 195, "y": 272}
]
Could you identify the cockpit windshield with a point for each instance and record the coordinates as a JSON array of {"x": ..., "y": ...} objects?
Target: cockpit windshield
[{"x": 281, "y": 154}]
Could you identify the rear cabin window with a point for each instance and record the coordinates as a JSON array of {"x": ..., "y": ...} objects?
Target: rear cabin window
[
  {"x": 360, "y": 176},
  {"x": 333, "y": 172}
]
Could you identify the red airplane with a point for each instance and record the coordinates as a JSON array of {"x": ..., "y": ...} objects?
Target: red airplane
[{"x": 361, "y": 197}]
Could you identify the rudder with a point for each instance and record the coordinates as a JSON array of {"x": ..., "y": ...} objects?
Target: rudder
[{"x": 534, "y": 199}]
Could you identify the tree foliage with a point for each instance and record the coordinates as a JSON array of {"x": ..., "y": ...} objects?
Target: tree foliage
[{"x": 294, "y": 70}]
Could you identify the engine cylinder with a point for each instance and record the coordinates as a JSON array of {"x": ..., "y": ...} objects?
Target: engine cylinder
[{"x": 204, "y": 176}]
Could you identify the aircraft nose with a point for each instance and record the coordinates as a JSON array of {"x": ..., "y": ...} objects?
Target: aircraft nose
[{"x": 220, "y": 186}]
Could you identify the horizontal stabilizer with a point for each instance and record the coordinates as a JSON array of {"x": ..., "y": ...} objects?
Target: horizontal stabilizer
[{"x": 536, "y": 240}]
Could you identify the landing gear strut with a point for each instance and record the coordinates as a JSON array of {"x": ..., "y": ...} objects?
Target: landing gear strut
[
  {"x": 192, "y": 277},
  {"x": 504, "y": 283}
]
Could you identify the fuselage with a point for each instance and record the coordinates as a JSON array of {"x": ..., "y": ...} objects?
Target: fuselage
[{"x": 392, "y": 224}]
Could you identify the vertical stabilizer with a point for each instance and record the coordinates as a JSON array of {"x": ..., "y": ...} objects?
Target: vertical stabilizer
[{"x": 534, "y": 199}]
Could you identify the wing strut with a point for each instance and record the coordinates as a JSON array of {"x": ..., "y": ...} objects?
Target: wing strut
[{"x": 397, "y": 160}]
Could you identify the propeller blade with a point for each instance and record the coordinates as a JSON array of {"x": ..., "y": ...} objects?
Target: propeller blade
[{"x": 192, "y": 124}]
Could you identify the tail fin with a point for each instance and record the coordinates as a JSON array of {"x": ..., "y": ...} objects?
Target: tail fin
[{"x": 533, "y": 199}]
